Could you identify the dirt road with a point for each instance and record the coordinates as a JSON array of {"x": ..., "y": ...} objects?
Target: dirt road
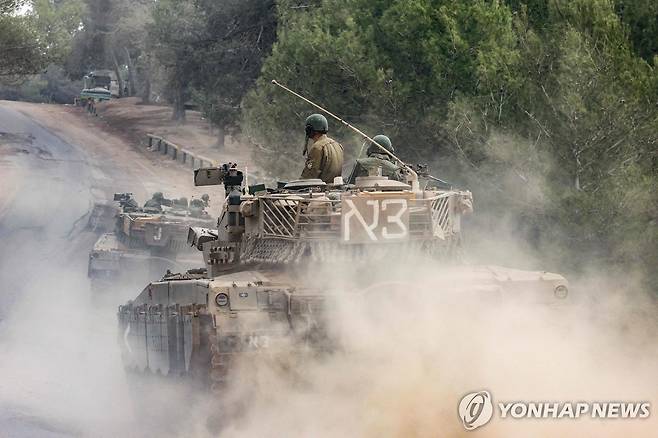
[{"x": 61, "y": 372}]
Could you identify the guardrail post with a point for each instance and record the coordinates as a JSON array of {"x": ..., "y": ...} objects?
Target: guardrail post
[{"x": 178, "y": 153}]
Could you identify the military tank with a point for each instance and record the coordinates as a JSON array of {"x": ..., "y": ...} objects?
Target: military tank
[
  {"x": 282, "y": 261},
  {"x": 146, "y": 240},
  {"x": 256, "y": 296}
]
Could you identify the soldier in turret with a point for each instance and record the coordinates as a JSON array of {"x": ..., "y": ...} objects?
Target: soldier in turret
[
  {"x": 324, "y": 158},
  {"x": 156, "y": 202},
  {"x": 377, "y": 158}
]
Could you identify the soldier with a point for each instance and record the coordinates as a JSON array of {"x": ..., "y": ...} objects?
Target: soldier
[
  {"x": 126, "y": 202},
  {"x": 377, "y": 158},
  {"x": 324, "y": 159},
  {"x": 156, "y": 201}
]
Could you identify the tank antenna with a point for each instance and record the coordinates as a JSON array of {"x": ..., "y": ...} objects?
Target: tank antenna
[{"x": 414, "y": 176}]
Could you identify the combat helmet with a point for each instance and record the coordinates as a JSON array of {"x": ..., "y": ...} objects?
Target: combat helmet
[
  {"x": 316, "y": 123},
  {"x": 382, "y": 140}
]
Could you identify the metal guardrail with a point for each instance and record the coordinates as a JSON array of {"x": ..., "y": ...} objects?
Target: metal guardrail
[{"x": 178, "y": 153}]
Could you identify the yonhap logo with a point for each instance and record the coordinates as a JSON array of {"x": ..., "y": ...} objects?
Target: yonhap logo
[{"x": 475, "y": 409}]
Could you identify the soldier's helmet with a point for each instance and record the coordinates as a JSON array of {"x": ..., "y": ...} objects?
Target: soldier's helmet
[
  {"x": 205, "y": 198},
  {"x": 197, "y": 207},
  {"x": 382, "y": 140},
  {"x": 158, "y": 196},
  {"x": 316, "y": 123},
  {"x": 152, "y": 206}
]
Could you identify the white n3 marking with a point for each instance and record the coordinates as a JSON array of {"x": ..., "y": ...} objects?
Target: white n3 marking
[
  {"x": 354, "y": 212},
  {"x": 396, "y": 219}
]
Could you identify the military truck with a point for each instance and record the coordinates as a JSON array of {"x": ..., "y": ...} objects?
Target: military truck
[
  {"x": 274, "y": 264},
  {"x": 100, "y": 85},
  {"x": 146, "y": 240}
]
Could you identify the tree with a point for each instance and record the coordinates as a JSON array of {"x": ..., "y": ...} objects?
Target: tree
[
  {"x": 57, "y": 23},
  {"x": 128, "y": 39},
  {"x": 542, "y": 107},
  {"x": 238, "y": 35},
  {"x": 22, "y": 51},
  {"x": 175, "y": 32},
  {"x": 641, "y": 19},
  {"x": 90, "y": 46},
  {"x": 387, "y": 65}
]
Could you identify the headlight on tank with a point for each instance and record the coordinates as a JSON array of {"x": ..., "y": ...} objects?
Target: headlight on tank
[
  {"x": 561, "y": 292},
  {"x": 221, "y": 300}
]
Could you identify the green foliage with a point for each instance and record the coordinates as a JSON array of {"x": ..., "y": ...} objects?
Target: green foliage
[
  {"x": 51, "y": 86},
  {"x": 31, "y": 43},
  {"x": 641, "y": 19},
  {"x": 57, "y": 23},
  {"x": 404, "y": 62},
  {"x": 22, "y": 52},
  {"x": 543, "y": 108},
  {"x": 235, "y": 38},
  {"x": 333, "y": 63}
]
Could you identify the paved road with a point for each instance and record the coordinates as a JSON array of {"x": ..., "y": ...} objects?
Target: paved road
[{"x": 60, "y": 373}]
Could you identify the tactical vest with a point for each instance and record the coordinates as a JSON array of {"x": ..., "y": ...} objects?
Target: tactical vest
[{"x": 369, "y": 165}]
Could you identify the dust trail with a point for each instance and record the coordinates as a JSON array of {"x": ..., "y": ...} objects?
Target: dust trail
[{"x": 409, "y": 353}]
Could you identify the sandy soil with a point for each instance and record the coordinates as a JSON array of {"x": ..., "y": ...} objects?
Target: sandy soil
[
  {"x": 132, "y": 121},
  {"x": 61, "y": 367},
  {"x": 101, "y": 145}
]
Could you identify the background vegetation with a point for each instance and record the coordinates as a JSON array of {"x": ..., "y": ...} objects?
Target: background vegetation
[{"x": 546, "y": 109}]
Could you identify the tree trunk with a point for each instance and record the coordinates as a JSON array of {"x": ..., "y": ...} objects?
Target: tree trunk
[
  {"x": 221, "y": 137},
  {"x": 131, "y": 73},
  {"x": 117, "y": 72},
  {"x": 146, "y": 90},
  {"x": 179, "y": 104},
  {"x": 209, "y": 115}
]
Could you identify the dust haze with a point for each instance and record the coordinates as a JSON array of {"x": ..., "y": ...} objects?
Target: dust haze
[{"x": 406, "y": 352}]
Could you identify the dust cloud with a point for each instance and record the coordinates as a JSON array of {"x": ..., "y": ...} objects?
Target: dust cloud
[
  {"x": 408, "y": 352},
  {"x": 408, "y": 348},
  {"x": 60, "y": 367}
]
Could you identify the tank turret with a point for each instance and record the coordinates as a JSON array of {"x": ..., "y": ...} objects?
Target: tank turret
[{"x": 145, "y": 240}]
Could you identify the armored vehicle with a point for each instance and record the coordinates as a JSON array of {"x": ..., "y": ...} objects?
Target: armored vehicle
[
  {"x": 145, "y": 240},
  {"x": 281, "y": 259},
  {"x": 100, "y": 85}
]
